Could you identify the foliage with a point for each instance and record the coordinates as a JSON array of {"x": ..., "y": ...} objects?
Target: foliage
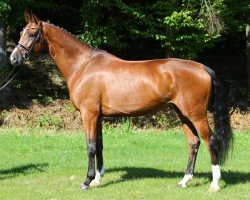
[
  {"x": 184, "y": 27},
  {"x": 13, "y": 10},
  {"x": 4, "y": 9},
  {"x": 184, "y": 32},
  {"x": 48, "y": 120},
  {"x": 4, "y": 72},
  {"x": 179, "y": 28}
]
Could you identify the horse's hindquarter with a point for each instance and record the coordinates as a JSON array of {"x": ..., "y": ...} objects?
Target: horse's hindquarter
[{"x": 192, "y": 86}]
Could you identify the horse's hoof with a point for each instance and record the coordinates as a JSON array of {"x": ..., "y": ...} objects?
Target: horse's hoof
[
  {"x": 94, "y": 183},
  {"x": 180, "y": 185},
  {"x": 214, "y": 189},
  {"x": 84, "y": 187}
]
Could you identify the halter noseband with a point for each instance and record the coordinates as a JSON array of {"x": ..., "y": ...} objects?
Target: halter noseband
[{"x": 37, "y": 38}]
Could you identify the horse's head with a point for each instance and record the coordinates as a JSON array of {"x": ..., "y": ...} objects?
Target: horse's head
[{"x": 31, "y": 38}]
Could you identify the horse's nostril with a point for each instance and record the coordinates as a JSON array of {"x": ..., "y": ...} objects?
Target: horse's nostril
[
  {"x": 13, "y": 59},
  {"x": 26, "y": 56}
]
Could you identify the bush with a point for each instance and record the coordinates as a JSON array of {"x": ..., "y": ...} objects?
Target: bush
[{"x": 48, "y": 121}]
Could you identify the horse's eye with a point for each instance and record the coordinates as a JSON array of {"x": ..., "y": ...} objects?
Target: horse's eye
[{"x": 31, "y": 35}]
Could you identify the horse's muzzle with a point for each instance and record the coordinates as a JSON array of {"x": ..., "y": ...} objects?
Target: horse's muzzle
[{"x": 16, "y": 58}]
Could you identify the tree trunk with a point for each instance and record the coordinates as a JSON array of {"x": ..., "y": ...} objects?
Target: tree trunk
[
  {"x": 3, "y": 55},
  {"x": 11, "y": 34},
  {"x": 248, "y": 57},
  {"x": 5, "y": 94}
]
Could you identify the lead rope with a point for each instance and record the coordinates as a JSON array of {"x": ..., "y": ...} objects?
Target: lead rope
[{"x": 7, "y": 83}]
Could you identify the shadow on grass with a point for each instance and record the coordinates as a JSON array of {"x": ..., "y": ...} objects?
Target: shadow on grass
[
  {"x": 235, "y": 177},
  {"x": 132, "y": 173},
  {"x": 23, "y": 169}
]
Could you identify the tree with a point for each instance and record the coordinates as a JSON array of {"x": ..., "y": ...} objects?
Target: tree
[
  {"x": 3, "y": 56},
  {"x": 248, "y": 57},
  {"x": 184, "y": 28},
  {"x": 4, "y": 8}
]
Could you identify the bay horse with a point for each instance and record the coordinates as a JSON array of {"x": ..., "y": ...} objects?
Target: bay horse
[{"x": 101, "y": 85}]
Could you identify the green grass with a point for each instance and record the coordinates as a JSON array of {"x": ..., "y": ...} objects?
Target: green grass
[{"x": 39, "y": 164}]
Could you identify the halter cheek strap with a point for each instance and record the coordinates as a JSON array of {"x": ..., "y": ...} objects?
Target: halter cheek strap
[
  {"x": 22, "y": 46},
  {"x": 26, "y": 55}
]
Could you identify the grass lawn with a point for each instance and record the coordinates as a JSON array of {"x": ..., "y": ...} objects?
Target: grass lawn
[{"x": 40, "y": 164}]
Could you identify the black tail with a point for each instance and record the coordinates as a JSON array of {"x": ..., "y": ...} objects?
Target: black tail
[{"x": 224, "y": 134}]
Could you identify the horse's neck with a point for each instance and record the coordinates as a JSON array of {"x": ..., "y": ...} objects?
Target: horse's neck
[{"x": 67, "y": 51}]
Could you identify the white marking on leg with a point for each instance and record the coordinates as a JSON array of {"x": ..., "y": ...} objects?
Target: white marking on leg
[
  {"x": 96, "y": 182},
  {"x": 185, "y": 180},
  {"x": 216, "y": 177}
]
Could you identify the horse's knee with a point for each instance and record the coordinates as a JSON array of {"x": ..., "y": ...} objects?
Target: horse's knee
[
  {"x": 194, "y": 144},
  {"x": 91, "y": 149}
]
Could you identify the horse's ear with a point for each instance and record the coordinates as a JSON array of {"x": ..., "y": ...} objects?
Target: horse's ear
[
  {"x": 36, "y": 20},
  {"x": 27, "y": 17},
  {"x": 31, "y": 17}
]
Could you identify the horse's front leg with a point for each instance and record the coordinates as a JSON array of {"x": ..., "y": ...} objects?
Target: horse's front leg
[
  {"x": 99, "y": 155},
  {"x": 90, "y": 121}
]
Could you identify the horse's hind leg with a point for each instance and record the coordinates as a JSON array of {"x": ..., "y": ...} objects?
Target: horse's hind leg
[
  {"x": 210, "y": 140},
  {"x": 193, "y": 145},
  {"x": 201, "y": 126},
  {"x": 196, "y": 125}
]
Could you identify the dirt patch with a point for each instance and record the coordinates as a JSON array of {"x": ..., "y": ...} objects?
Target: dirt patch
[
  {"x": 58, "y": 115},
  {"x": 241, "y": 120}
]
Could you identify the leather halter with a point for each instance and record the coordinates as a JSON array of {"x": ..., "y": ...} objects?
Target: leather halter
[{"x": 37, "y": 38}]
